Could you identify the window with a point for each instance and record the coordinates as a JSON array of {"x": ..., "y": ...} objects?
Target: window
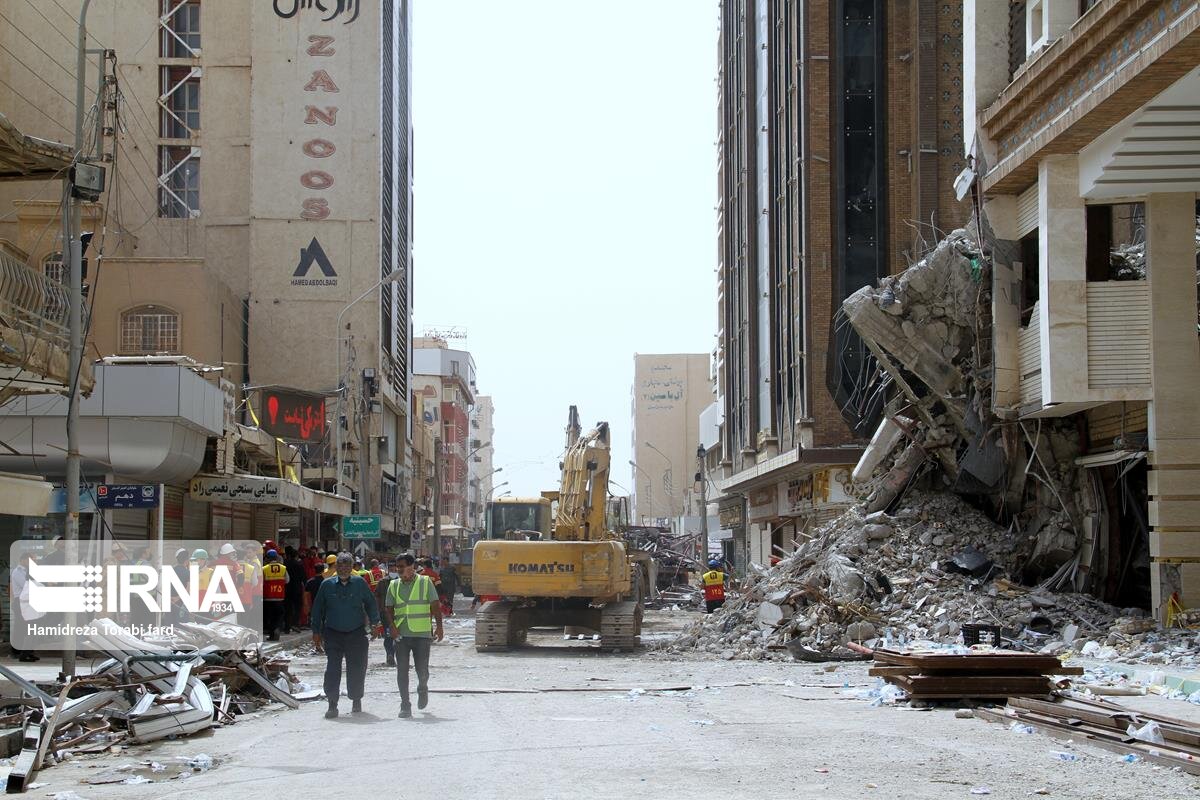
[
  {"x": 179, "y": 184},
  {"x": 149, "y": 329},
  {"x": 180, "y": 28},
  {"x": 180, "y": 102},
  {"x": 54, "y": 268}
]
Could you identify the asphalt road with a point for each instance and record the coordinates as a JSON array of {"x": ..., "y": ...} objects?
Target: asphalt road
[{"x": 761, "y": 730}]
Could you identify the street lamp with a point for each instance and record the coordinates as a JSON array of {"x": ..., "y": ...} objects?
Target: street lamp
[
  {"x": 649, "y": 484},
  {"x": 488, "y": 497},
  {"x": 673, "y": 497},
  {"x": 392, "y": 277}
]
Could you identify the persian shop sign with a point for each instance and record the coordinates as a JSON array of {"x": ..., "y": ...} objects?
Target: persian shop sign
[
  {"x": 293, "y": 416},
  {"x": 246, "y": 489},
  {"x": 345, "y": 10}
]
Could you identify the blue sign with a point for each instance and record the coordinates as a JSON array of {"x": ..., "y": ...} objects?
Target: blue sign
[
  {"x": 127, "y": 496},
  {"x": 87, "y": 501}
]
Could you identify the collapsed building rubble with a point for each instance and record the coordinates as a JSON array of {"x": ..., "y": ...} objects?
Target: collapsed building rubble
[
  {"x": 894, "y": 578},
  {"x": 672, "y": 558},
  {"x": 967, "y": 514},
  {"x": 142, "y": 691}
]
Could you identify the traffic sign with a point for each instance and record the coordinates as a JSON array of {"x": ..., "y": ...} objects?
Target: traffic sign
[
  {"x": 127, "y": 496},
  {"x": 362, "y": 526}
]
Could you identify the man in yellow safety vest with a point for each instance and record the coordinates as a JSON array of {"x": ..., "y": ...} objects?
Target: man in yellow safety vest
[
  {"x": 714, "y": 586},
  {"x": 413, "y": 603}
]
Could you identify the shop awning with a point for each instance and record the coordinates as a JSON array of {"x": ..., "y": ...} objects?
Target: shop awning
[
  {"x": 24, "y": 495},
  {"x": 262, "y": 490}
]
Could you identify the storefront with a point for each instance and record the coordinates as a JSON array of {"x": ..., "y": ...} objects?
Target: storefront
[{"x": 262, "y": 507}]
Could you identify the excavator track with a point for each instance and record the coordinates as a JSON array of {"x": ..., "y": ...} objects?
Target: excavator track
[
  {"x": 620, "y": 626},
  {"x": 494, "y": 629}
]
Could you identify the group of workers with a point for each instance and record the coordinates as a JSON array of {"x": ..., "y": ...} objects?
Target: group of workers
[
  {"x": 287, "y": 581},
  {"x": 349, "y": 610}
]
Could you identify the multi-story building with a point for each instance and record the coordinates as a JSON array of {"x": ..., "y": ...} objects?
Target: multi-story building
[
  {"x": 840, "y": 137},
  {"x": 481, "y": 464},
  {"x": 259, "y": 183},
  {"x": 1082, "y": 117},
  {"x": 445, "y": 380},
  {"x": 668, "y": 395}
]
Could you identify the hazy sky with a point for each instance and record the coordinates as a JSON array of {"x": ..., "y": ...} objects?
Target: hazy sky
[{"x": 565, "y": 193}]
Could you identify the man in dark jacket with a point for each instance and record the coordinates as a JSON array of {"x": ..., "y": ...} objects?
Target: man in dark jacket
[{"x": 343, "y": 613}]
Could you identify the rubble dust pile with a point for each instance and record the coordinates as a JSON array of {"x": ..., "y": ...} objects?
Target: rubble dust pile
[{"x": 917, "y": 574}]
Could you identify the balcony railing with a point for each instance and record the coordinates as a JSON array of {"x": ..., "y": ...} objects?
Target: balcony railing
[{"x": 34, "y": 304}]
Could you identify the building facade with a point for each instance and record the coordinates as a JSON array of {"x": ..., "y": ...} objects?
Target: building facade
[
  {"x": 669, "y": 393},
  {"x": 482, "y": 464},
  {"x": 1082, "y": 120},
  {"x": 445, "y": 380},
  {"x": 259, "y": 183},
  {"x": 840, "y": 137}
]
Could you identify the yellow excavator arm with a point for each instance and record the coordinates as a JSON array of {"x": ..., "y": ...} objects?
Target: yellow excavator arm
[{"x": 583, "y": 496}]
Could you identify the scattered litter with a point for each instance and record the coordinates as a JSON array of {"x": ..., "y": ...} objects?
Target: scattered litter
[
  {"x": 981, "y": 790},
  {"x": 1150, "y": 732}
]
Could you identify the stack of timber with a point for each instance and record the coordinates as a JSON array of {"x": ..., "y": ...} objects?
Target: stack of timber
[
  {"x": 975, "y": 674},
  {"x": 1108, "y": 725}
]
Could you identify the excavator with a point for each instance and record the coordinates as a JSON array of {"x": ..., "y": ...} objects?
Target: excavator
[{"x": 579, "y": 577}]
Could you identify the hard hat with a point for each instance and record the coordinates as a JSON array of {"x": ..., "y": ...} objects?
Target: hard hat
[
  {"x": 715, "y": 564},
  {"x": 226, "y": 549},
  {"x": 331, "y": 559},
  {"x": 199, "y": 553},
  {"x": 272, "y": 554},
  {"x": 269, "y": 544},
  {"x": 181, "y": 552}
]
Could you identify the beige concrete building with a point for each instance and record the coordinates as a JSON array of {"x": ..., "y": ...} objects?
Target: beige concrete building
[
  {"x": 1083, "y": 118},
  {"x": 259, "y": 182},
  {"x": 669, "y": 393}
]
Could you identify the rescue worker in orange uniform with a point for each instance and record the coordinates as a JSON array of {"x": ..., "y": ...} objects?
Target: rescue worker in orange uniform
[
  {"x": 714, "y": 586},
  {"x": 275, "y": 580}
]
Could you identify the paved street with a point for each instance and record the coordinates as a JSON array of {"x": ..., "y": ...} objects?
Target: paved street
[{"x": 761, "y": 730}]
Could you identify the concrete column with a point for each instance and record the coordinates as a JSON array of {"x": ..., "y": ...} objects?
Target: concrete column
[
  {"x": 1046, "y": 20},
  {"x": 1062, "y": 256},
  {"x": 985, "y": 64},
  {"x": 1174, "y": 413}
]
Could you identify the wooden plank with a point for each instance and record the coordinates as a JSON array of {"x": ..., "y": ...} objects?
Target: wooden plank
[
  {"x": 1115, "y": 719},
  {"x": 992, "y": 662},
  {"x": 1102, "y": 742}
]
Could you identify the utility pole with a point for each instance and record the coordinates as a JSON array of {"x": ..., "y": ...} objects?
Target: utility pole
[
  {"x": 437, "y": 495},
  {"x": 72, "y": 245},
  {"x": 702, "y": 552}
]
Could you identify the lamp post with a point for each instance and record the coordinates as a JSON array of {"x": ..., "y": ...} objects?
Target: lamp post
[
  {"x": 700, "y": 479},
  {"x": 649, "y": 484},
  {"x": 674, "y": 498},
  {"x": 74, "y": 251},
  {"x": 392, "y": 277}
]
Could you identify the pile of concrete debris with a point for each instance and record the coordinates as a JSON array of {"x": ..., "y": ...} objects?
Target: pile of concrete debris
[
  {"x": 143, "y": 691},
  {"x": 918, "y": 574}
]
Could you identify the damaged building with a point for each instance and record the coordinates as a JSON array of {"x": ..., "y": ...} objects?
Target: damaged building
[
  {"x": 1081, "y": 123},
  {"x": 840, "y": 136},
  {"x": 1041, "y": 361}
]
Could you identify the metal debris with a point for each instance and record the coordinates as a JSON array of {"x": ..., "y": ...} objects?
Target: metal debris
[{"x": 142, "y": 692}]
